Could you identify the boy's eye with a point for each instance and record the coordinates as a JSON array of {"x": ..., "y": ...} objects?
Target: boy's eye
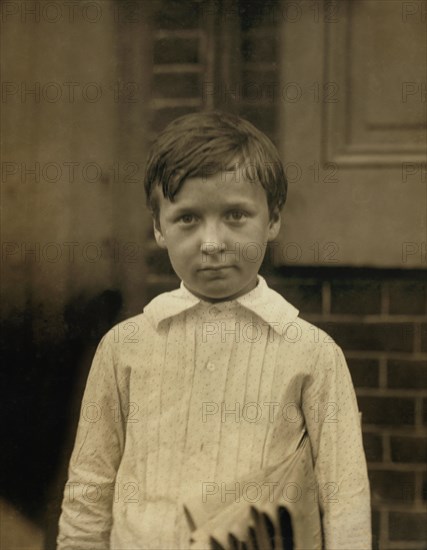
[
  {"x": 187, "y": 219},
  {"x": 236, "y": 215}
]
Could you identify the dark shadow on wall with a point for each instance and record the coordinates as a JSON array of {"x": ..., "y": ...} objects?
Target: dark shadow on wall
[{"x": 41, "y": 392}]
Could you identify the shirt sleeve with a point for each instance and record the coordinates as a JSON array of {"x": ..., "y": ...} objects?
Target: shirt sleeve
[
  {"x": 333, "y": 423},
  {"x": 86, "y": 518}
]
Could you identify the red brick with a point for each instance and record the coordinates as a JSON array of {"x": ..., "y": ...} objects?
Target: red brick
[
  {"x": 407, "y": 374},
  {"x": 364, "y": 372},
  {"x": 175, "y": 14},
  {"x": 424, "y": 488},
  {"x": 408, "y": 449},
  {"x": 407, "y": 526},
  {"x": 394, "y": 411},
  {"x": 423, "y": 330},
  {"x": 376, "y": 529},
  {"x": 372, "y": 336},
  {"x": 176, "y": 85},
  {"x": 373, "y": 446},
  {"x": 306, "y": 296},
  {"x": 259, "y": 14},
  {"x": 408, "y": 297},
  {"x": 358, "y": 297},
  {"x": 176, "y": 50},
  {"x": 257, "y": 49},
  {"x": 392, "y": 486}
]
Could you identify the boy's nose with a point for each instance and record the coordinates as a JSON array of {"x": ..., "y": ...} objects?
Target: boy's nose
[
  {"x": 212, "y": 240},
  {"x": 212, "y": 247}
]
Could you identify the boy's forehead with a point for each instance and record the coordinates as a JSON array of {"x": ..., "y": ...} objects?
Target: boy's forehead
[
  {"x": 239, "y": 170},
  {"x": 221, "y": 188}
]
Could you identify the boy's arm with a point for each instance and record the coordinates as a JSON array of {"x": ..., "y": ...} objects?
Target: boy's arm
[
  {"x": 86, "y": 517},
  {"x": 333, "y": 424}
]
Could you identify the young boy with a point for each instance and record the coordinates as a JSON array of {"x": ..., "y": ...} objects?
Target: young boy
[{"x": 219, "y": 380}]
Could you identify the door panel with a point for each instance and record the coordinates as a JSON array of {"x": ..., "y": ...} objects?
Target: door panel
[{"x": 354, "y": 136}]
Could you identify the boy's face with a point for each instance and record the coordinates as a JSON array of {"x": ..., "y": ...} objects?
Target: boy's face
[{"x": 216, "y": 232}]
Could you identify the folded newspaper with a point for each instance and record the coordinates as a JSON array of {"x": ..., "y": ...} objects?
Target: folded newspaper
[{"x": 284, "y": 515}]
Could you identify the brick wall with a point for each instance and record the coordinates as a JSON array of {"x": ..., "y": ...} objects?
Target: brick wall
[{"x": 378, "y": 317}]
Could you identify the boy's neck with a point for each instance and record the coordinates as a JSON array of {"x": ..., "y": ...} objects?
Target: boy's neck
[{"x": 229, "y": 298}]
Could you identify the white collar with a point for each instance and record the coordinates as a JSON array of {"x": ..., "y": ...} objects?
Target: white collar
[{"x": 265, "y": 302}]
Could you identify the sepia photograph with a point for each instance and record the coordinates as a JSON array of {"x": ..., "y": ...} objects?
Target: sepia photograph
[{"x": 213, "y": 274}]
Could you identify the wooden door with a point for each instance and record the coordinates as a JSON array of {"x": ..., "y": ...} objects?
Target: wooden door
[{"x": 353, "y": 114}]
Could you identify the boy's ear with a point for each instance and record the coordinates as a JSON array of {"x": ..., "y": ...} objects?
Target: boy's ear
[
  {"x": 274, "y": 224},
  {"x": 158, "y": 235}
]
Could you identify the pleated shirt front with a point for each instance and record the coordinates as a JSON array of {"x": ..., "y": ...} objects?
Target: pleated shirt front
[{"x": 189, "y": 396}]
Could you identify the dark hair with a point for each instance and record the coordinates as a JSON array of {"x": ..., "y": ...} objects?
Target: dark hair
[{"x": 204, "y": 144}]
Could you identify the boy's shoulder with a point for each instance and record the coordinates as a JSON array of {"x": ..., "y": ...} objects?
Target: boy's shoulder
[
  {"x": 293, "y": 330},
  {"x": 161, "y": 306}
]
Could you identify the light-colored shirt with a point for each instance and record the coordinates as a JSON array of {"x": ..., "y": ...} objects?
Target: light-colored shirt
[{"x": 189, "y": 396}]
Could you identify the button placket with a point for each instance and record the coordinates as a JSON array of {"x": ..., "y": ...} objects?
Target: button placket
[
  {"x": 210, "y": 366},
  {"x": 214, "y": 349}
]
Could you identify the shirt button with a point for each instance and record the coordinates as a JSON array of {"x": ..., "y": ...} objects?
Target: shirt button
[
  {"x": 210, "y": 367},
  {"x": 214, "y": 310}
]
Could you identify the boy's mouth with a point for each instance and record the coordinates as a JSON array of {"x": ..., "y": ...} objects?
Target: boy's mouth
[{"x": 215, "y": 268}]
